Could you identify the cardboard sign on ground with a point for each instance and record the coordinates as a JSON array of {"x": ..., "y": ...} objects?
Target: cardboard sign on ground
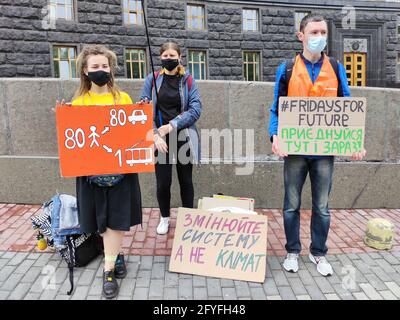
[
  {"x": 96, "y": 140},
  {"x": 321, "y": 126},
  {"x": 221, "y": 196},
  {"x": 222, "y": 245},
  {"x": 207, "y": 203}
]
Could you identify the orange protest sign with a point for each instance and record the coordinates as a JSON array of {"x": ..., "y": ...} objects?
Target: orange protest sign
[{"x": 105, "y": 139}]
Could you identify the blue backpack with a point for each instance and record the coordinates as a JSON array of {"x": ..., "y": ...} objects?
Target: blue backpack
[{"x": 61, "y": 229}]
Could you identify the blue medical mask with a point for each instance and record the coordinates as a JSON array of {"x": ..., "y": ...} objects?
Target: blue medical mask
[{"x": 316, "y": 44}]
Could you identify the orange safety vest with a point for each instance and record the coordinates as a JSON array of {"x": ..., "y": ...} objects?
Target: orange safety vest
[{"x": 300, "y": 84}]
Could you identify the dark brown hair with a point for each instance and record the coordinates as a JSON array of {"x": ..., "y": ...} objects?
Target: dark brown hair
[
  {"x": 170, "y": 45},
  {"x": 310, "y": 18}
]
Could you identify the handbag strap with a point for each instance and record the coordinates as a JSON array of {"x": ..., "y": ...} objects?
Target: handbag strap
[{"x": 71, "y": 263}]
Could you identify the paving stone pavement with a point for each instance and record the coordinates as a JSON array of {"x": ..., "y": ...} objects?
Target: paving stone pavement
[
  {"x": 360, "y": 272},
  {"x": 16, "y": 233},
  {"x": 357, "y": 276}
]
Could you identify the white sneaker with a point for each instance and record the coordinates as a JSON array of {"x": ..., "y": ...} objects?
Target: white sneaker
[
  {"x": 163, "y": 226},
  {"x": 291, "y": 264},
  {"x": 323, "y": 266}
]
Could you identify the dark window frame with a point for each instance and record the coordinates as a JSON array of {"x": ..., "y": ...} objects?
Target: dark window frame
[
  {"x": 67, "y": 45},
  {"x": 74, "y": 11},
  {"x": 260, "y": 55},
  {"x": 196, "y": 4},
  {"x": 206, "y": 60},
  {"x": 259, "y": 24},
  {"x": 146, "y": 59}
]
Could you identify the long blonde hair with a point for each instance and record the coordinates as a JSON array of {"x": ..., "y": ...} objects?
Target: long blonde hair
[
  {"x": 82, "y": 60},
  {"x": 172, "y": 45}
]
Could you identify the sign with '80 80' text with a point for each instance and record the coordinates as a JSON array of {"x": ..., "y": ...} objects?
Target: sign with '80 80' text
[{"x": 105, "y": 139}]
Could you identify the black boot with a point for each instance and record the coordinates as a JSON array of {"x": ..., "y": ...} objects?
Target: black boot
[
  {"x": 120, "y": 267},
  {"x": 110, "y": 285}
]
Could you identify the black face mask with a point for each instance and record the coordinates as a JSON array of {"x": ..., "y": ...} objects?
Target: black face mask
[
  {"x": 169, "y": 64},
  {"x": 100, "y": 77}
]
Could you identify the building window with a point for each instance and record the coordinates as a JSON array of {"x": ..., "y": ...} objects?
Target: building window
[
  {"x": 196, "y": 17},
  {"x": 250, "y": 20},
  {"x": 133, "y": 12},
  {"x": 64, "y": 60},
  {"x": 136, "y": 63},
  {"x": 398, "y": 66},
  {"x": 197, "y": 64},
  {"x": 298, "y": 16},
  {"x": 251, "y": 66},
  {"x": 61, "y": 9},
  {"x": 398, "y": 25}
]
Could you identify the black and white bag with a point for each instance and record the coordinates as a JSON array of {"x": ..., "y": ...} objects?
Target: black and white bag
[
  {"x": 42, "y": 222},
  {"x": 79, "y": 249}
]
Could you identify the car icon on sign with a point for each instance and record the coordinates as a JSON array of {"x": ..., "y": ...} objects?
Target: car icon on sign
[{"x": 137, "y": 116}]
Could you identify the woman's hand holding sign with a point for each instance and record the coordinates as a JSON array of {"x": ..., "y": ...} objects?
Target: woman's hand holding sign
[
  {"x": 143, "y": 101},
  {"x": 165, "y": 129},
  {"x": 58, "y": 104},
  {"x": 160, "y": 144}
]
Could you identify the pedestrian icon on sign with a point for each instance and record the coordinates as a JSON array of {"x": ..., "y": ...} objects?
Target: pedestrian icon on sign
[{"x": 93, "y": 136}]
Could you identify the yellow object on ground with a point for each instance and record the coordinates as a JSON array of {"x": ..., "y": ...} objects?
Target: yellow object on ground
[
  {"x": 42, "y": 244},
  {"x": 380, "y": 234}
]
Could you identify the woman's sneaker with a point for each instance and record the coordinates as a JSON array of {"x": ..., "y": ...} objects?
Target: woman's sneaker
[
  {"x": 163, "y": 226},
  {"x": 323, "y": 266},
  {"x": 110, "y": 285},
  {"x": 291, "y": 263},
  {"x": 120, "y": 267}
]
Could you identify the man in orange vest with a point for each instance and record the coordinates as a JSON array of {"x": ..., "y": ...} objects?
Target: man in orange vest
[{"x": 311, "y": 74}]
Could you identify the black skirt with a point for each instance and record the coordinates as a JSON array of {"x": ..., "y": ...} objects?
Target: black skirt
[{"x": 118, "y": 207}]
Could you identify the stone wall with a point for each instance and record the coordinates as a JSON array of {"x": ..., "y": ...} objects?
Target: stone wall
[
  {"x": 29, "y": 164},
  {"x": 25, "y": 46}
]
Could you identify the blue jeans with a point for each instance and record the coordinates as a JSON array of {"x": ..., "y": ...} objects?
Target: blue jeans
[
  {"x": 295, "y": 170},
  {"x": 64, "y": 218}
]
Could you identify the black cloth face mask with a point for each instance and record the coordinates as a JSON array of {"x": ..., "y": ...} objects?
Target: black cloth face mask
[
  {"x": 169, "y": 64},
  {"x": 100, "y": 77}
]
